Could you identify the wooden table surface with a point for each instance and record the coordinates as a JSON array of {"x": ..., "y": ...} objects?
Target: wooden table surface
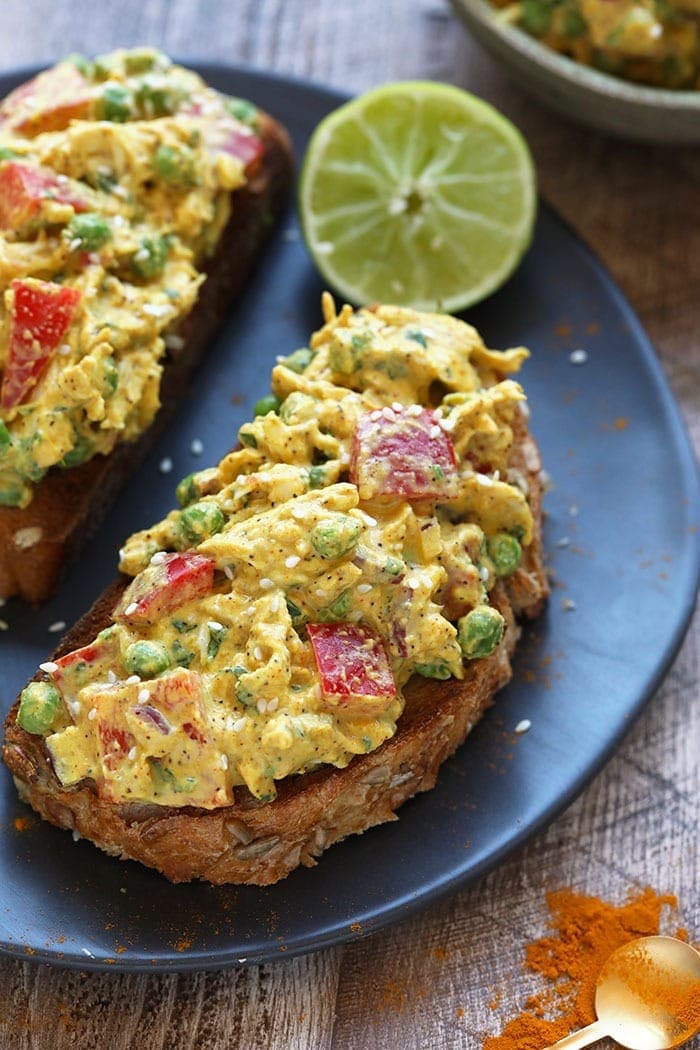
[{"x": 429, "y": 981}]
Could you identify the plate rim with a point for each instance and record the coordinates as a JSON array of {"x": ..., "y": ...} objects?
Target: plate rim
[{"x": 337, "y": 932}]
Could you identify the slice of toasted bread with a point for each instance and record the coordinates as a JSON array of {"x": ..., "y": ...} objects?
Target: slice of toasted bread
[
  {"x": 260, "y": 843},
  {"x": 38, "y": 541}
]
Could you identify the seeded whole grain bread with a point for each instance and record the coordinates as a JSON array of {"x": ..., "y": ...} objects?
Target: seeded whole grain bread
[
  {"x": 260, "y": 843},
  {"x": 37, "y": 542}
]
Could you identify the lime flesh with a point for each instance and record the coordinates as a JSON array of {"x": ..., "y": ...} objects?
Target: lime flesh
[{"x": 417, "y": 194}]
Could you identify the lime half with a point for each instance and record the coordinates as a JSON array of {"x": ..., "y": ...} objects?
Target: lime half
[{"x": 417, "y": 194}]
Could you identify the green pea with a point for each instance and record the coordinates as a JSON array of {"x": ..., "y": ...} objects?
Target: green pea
[
  {"x": 267, "y": 404},
  {"x": 150, "y": 259},
  {"x": 146, "y": 659},
  {"x": 535, "y": 16},
  {"x": 90, "y": 230},
  {"x": 11, "y": 494},
  {"x": 116, "y": 104},
  {"x": 317, "y": 477},
  {"x": 140, "y": 60},
  {"x": 110, "y": 380},
  {"x": 480, "y": 631},
  {"x": 82, "y": 64},
  {"x": 242, "y": 110},
  {"x": 39, "y": 704},
  {"x": 82, "y": 451},
  {"x": 199, "y": 521},
  {"x": 299, "y": 361},
  {"x": 174, "y": 166},
  {"x": 159, "y": 96},
  {"x": 505, "y": 552},
  {"x": 4, "y": 437},
  {"x": 187, "y": 490},
  {"x": 336, "y": 536},
  {"x": 437, "y": 669}
]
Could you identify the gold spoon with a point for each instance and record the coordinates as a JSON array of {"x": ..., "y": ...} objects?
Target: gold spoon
[{"x": 647, "y": 997}]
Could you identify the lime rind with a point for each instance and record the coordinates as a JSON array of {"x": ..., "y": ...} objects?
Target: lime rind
[{"x": 417, "y": 193}]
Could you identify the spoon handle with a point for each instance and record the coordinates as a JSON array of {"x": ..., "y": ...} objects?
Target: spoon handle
[{"x": 584, "y": 1037}]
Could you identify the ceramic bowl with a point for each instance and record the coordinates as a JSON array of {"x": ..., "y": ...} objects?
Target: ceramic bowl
[{"x": 604, "y": 102}]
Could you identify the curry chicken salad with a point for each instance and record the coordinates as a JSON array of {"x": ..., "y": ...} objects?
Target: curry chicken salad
[
  {"x": 115, "y": 185},
  {"x": 352, "y": 540}
]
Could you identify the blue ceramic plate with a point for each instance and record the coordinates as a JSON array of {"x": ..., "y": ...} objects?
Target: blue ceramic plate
[{"x": 621, "y": 536}]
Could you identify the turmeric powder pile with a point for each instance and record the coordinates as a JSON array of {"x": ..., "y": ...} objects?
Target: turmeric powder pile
[{"x": 585, "y": 932}]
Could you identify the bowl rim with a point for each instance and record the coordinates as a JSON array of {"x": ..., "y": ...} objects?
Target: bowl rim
[{"x": 594, "y": 80}]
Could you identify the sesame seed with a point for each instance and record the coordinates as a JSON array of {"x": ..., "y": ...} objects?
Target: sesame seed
[
  {"x": 448, "y": 424},
  {"x": 158, "y": 558},
  {"x": 568, "y": 605},
  {"x": 74, "y": 707},
  {"x": 524, "y": 410},
  {"x": 578, "y": 357},
  {"x": 92, "y": 714},
  {"x": 64, "y": 349},
  {"x": 397, "y": 406},
  {"x": 156, "y": 309},
  {"x": 228, "y": 572},
  {"x": 238, "y": 725},
  {"x": 165, "y": 465},
  {"x": 224, "y": 762},
  {"x": 435, "y": 431},
  {"x": 388, "y": 414},
  {"x": 131, "y": 608},
  {"x": 258, "y": 653},
  {"x": 292, "y": 561},
  {"x": 49, "y": 666},
  {"x": 144, "y": 696},
  {"x": 364, "y": 588},
  {"x": 415, "y": 410},
  {"x": 413, "y": 583},
  {"x": 56, "y": 626},
  {"x": 133, "y": 679},
  {"x": 88, "y": 953},
  {"x": 563, "y": 542},
  {"x": 111, "y": 677},
  {"x": 196, "y": 447},
  {"x": 299, "y": 513},
  {"x": 273, "y": 704},
  {"x": 261, "y": 706},
  {"x": 275, "y": 603},
  {"x": 484, "y": 479},
  {"x": 214, "y": 625},
  {"x": 266, "y": 583},
  {"x": 174, "y": 342},
  {"x": 320, "y": 593},
  {"x": 376, "y": 415},
  {"x": 132, "y": 754},
  {"x": 4, "y": 625},
  {"x": 523, "y": 725},
  {"x": 483, "y": 572},
  {"x": 370, "y": 520}
]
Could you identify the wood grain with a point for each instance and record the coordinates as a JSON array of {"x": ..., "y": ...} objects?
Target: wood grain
[{"x": 428, "y": 982}]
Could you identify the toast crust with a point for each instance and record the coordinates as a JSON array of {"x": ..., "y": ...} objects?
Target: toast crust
[
  {"x": 260, "y": 843},
  {"x": 38, "y": 541}
]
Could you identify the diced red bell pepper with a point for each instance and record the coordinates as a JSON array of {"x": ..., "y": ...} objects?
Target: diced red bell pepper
[
  {"x": 352, "y": 660},
  {"x": 403, "y": 454},
  {"x": 41, "y": 314},
  {"x": 176, "y": 580},
  {"x": 48, "y": 102},
  {"x": 77, "y": 668},
  {"x": 24, "y": 187},
  {"x": 242, "y": 143}
]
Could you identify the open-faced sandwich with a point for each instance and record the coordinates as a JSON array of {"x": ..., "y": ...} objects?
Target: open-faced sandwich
[
  {"x": 291, "y": 654},
  {"x": 134, "y": 200}
]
